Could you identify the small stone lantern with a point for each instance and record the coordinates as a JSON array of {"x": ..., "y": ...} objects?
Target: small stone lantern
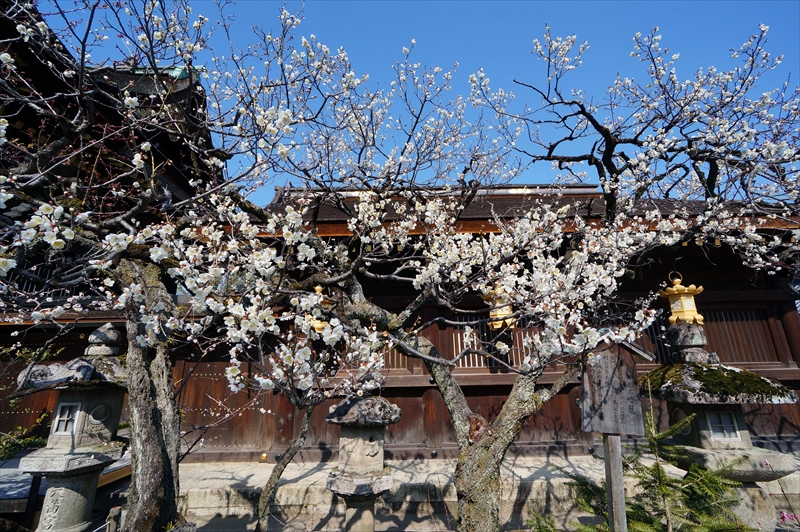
[
  {"x": 361, "y": 475},
  {"x": 696, "y": 383},
  {"x": 82, "y": 441}
]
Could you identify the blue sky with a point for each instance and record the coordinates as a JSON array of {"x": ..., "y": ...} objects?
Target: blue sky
[{"x": 497, "y": 36}]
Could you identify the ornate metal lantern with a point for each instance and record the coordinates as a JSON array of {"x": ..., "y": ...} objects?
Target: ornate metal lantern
[
  {"x": 326, "y": 304},
  {"x": 500, "y": 310},
  {"x": 681, "y": 301}
]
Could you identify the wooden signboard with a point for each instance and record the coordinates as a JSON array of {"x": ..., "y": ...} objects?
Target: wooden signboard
[
  {"x": 611, "y": 406},
  {"x": 610, "y": 399}
]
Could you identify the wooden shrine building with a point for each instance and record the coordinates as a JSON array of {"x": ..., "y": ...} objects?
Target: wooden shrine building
[{"x": 751, "y": 321}]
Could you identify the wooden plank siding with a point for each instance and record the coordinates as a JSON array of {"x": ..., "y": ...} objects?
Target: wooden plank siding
[{"x": 756, "y": 329}]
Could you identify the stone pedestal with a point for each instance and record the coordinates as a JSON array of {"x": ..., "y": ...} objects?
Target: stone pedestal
[
  {"x": 755, "y": 507},
  {"x": 69, "y": 500},
  {"x": 360, "y": 516},
  {"x": 697, "y": 384}
]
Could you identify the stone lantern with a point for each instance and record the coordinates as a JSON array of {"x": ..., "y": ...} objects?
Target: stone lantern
[
  {"x": 361, "y": 475},
  {"x": 696, "y": 383},
  {"x": 82, "y": 441}
]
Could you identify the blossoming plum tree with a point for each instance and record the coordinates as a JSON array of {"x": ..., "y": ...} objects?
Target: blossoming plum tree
[
  {"x": 712, "y": 158},
  {"x": 90, "y": 207},
  {"x": 720, "y": 136},
  {"x": 549, "y": 266}
]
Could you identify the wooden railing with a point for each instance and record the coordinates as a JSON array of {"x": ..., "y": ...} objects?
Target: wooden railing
[{"x": 741, "y": 335}]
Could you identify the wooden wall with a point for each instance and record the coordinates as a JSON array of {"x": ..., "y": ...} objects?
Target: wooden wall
[{"x": 751, "y": 322}]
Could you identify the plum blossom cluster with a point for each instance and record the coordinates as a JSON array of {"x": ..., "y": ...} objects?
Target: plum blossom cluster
[
  {"x": 226, "y": 270},
  {"x": 300, "y": 110},
  {"x": 561, "y": 295},
  {"x": 67, "y": 221}
]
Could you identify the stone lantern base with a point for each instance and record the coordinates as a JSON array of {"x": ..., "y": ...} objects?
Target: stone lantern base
[{"x": 72, "y": 479}]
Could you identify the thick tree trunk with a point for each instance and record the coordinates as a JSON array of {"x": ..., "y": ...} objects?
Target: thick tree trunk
[
  {"x": 267, "y": 497},
  {"x": 477, "y": 483},
  {"x": 482, "y": 445},
  {"x": 477, "y": 475},
  {"x": 155, "y": 430},
  {"x": 154, "y": 436}
]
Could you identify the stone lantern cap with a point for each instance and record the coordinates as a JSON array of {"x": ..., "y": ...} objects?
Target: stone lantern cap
[
  {"x": 104, "y": 341},
  {"x": 98, "y": 367},
  {"x": 713, "y": 384},
  {"x": 78, "y": 372},
  {"x": 364, "y": 412}
]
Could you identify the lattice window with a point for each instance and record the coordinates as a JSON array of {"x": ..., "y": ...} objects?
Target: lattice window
[
  {"x": 394, "y": 360},
  {"x": 723, "y": 426},
  {"x": 484, "y": 333},
  {"x": 66, "y": 418},
  {"x": 736, "y": 335}
]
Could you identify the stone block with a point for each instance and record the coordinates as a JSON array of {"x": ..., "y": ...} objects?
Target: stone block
[
  {"x": 359, "y": 485},
  {"x": 750, "y": 466},
  {"x": 755, "y": 507},
  {"x": 361, "y": 449},
  {"x": 682, "y": 335}
]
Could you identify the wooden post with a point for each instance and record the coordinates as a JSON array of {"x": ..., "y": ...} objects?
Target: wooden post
[
  {"x": 615, "y": 486},
  {"x": 33, "y": 499}
]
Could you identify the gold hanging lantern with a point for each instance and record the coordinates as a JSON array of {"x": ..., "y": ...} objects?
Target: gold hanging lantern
[
  {"x": 327, "y": 304},
  {"x": 681, "y": 301},
  {"x": 500, "y": 310}
]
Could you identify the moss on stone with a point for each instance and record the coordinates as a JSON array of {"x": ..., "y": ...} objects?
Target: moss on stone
[{"x": 713, "y": 383}]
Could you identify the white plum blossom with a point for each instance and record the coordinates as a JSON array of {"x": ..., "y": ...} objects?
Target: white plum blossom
[
  {"x": 6, "y": 264},
  {"x": 158, "y": 253},
  {"x": 7, "y": 60},
  {"x": 118, "y": 242}
]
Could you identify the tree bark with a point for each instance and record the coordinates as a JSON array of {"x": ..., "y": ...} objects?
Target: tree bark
[
  {"x": 477, "y": 475},
  {"x": 482, "y": 445},
  {"x": 155, "y": 429},
  {"x": 269, "y": 490}
]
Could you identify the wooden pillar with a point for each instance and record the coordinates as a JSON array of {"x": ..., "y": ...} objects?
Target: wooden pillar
[{"x": 791, "y": 326}]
